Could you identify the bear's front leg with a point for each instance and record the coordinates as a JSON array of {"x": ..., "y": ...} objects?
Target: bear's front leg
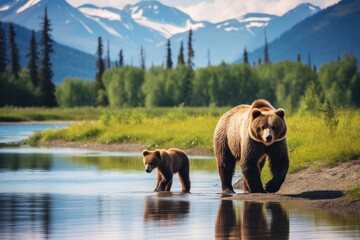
[
  {"x": 168, "y": 185},
  {"x": 159, "y": 178},
  {"x": 279, "y": 165},
  {"x": 165, "y": 183},
  {"x": 251, "y": 172}
]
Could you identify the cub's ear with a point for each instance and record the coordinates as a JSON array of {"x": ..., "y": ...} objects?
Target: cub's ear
[
  {"x": 255, "y": 113},
  {"x": 280, "y": 112},
  {"x": 145, "y": 152}
]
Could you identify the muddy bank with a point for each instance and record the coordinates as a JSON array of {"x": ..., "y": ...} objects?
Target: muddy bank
[
  {"x": 323, "y": 188},
  {"x": 116, "y": 147}
]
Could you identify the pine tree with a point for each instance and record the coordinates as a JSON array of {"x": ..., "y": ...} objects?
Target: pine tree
[
  {"x": 3, "y": 59},
  {"x": 309, "y": 59},
  {"x": 180, "y": 59},
  {"x": 121, "y": 58},
  {"x": 266, "y": 51},
  {"x": 298, "y": 58},
  {"x": 33, "y": 58},
  {"x": 99, "y": 85},
  {"x": 108, "y": 61},
  {"x": 169, "y": 62},
  {"x": 46, "y": 73},
  {"x": 14, "y": 52},
  {"x": 142, "y": 58},
  {"x": 208, "y": 56},
  {"x": 191, "y": 53},
  {"x": 245, "y": 56}
]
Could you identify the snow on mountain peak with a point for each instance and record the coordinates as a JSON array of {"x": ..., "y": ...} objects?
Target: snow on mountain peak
[
  {"x": 4, "y": 8},
  {"x": 100, "y": 12},
  {"x": 30, "y": 3}
]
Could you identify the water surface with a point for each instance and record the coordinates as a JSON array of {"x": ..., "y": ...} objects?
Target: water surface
[
  {"x": 79, "y": 194},
  {"x": 18, "y": 132}
]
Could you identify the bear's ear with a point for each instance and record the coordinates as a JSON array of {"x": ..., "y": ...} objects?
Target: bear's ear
[
  {"x": 145, "y": 152},
  {"x": 255, "y": 113},
  {"x": 280, "y": 112},
  {"x": 157, "y": 153}
]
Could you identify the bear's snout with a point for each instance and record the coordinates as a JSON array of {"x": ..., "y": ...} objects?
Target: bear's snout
[
  {"x": 269, "y": 138},
  {"x": 148, "y": 169}
]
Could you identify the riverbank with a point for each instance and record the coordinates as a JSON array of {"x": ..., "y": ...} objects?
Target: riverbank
[
  {"x": 323, "y": 187},
  {"x": 113, "y": 147}
]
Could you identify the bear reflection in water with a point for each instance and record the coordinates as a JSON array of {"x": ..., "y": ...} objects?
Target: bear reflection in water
[
  {"x": 257, "y": 221},
  {"x": 158, "y": 208}
]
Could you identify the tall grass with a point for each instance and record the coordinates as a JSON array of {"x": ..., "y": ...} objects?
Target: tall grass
[{"x": 311, "y": 142}]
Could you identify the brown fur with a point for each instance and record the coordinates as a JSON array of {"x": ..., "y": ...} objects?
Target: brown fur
[
  {"x": 248, "y": 134},
  {"x": 168, "y": 162}
]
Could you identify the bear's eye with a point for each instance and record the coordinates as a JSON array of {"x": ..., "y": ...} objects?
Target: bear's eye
[
  {"x": 263, "y": 127},
  {"x": 273, "y": 127},
  {"x": 258, "y": 129}
]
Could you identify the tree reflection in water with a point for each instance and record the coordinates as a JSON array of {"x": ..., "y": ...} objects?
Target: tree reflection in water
[{"x": 256, "y": 221}]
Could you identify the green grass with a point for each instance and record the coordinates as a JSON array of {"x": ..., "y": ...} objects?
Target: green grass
[
  {"x": 353, "y": 193},
  {"x": 310, "y": 141},
  {"x": 14, "y": 114}
]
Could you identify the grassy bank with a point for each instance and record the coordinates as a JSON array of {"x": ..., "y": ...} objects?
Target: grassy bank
[
  {"x": 311, "y": 141},
  {"x": 13, "y": 114}
]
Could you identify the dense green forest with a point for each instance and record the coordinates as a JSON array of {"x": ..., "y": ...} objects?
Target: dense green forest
[{"x": 291, "y": 85}]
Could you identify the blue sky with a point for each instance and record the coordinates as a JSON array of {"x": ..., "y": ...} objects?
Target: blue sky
[{"x": 217, "y": 10}]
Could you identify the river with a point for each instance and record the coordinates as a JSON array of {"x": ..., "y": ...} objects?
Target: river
[{"x": 49, "y": 193}]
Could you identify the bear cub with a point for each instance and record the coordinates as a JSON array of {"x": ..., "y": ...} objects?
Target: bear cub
[
  {"x": 168, "y": 162},
  {"x": 247, "y": 134}
]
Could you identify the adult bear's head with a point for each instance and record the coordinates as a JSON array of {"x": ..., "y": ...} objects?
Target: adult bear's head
[{"x": 267, "y": 126}]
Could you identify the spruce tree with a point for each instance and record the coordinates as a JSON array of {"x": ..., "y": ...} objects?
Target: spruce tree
[
  {"x": 298, "y": 58},
  {"x": 14, "y": 52},
  {"x": 46, "y": 74},
  {"x": 108, "y": 61},
  {"x": 266, "y": 51},
  {"x": 33, "y": 58},
  {"x": 3, "y": 59},
  {"x": 142, "y": 58},
  {"x": 169, "y": 62},
  {"x": 191, "y": 53},
  {"x": 180, "y": 59},
  {"x": 99, "y": 85},
  {"x": 121, "y": 58},
  {"x": 245, "y": 57}
]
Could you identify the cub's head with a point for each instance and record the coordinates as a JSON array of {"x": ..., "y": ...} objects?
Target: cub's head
[
  {"x": 267, "y": 127},
  {"x": 151, "y": 159}
]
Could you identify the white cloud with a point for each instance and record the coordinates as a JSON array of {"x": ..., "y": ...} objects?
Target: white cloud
[{"x": 217, "y": 10}]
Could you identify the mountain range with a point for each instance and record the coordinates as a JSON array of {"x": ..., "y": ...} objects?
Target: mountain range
[
  {"x": 149, "y": 24},
  {"x": 321, "y": 38}
]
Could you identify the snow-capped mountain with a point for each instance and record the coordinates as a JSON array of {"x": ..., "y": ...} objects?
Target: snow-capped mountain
[
  {"x": 149, "y": 24},
  {"x": 168, "y": 21}
]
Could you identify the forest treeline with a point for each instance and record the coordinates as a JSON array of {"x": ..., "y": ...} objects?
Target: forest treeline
[{"x": 291, "y": 85}]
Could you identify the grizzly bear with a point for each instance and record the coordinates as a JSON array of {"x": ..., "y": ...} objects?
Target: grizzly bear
[
  {"x": 167, "y": 163},
  {"x": 248, "y": 134}
]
